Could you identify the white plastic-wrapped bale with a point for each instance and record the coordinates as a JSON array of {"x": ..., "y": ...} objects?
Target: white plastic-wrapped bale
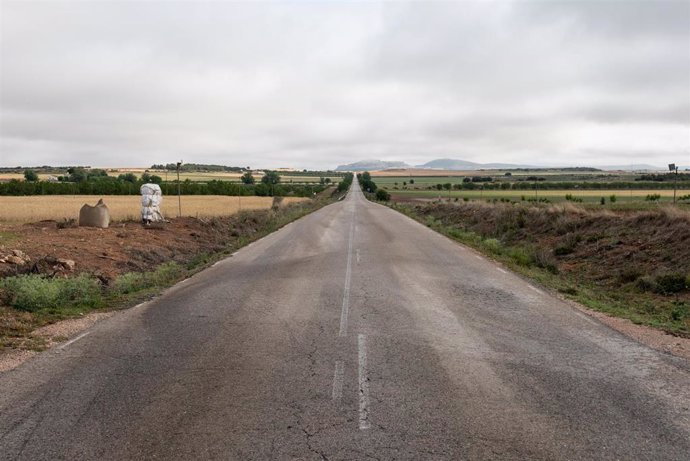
[{"x": 151, "y": 200}]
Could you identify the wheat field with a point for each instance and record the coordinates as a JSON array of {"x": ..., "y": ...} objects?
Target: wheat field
[{"x": 127, "y": 207}]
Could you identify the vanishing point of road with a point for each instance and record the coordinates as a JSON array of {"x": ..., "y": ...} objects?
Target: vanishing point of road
[{"x": 352, "y": 333}]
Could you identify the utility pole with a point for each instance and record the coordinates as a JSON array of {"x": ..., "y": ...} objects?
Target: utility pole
[
  {"x": 672, "y": 167},
  {"x": 179, "y": 196}
]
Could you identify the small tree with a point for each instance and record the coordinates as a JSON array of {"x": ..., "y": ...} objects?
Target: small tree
[
  {"x": 77, "y": 174},
  {"x": 411, "y": 181},
  {"x": 270, "y": 177},
  {"x": 131, "y": 177},
  {"x": 248, "y": 178},
  {"x": 30, "y": 175},
  {"x": 150, "y": 178}
]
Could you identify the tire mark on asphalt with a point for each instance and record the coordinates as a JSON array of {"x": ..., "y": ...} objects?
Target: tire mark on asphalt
[
  {"x": 363, "y": 384},
  {"x": 344, "y": 313}
]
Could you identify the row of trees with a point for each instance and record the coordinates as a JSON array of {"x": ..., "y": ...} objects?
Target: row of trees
[
  {"x": 124, "y": 187},
  {"x": 557, "y": 185},
  {"x": 197, "y": 167},
  {"x": 346, "y": 182},
  {"x": 366, "y": 182}
]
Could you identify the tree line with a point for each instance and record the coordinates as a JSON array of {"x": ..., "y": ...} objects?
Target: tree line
[{"x": 81, "y": 181}]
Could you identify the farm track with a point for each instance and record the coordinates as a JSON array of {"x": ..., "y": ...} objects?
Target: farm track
[{"x": 352, "y": 333}]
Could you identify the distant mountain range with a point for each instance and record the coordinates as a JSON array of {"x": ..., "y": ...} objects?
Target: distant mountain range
[{"x": 456, "y": 164}]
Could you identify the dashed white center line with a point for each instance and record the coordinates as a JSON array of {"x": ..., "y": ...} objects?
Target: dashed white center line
[
  {"x": 363, "y": 384},
  {"x": 74, "y": 340},
  {"x": 501, "y": 270},
  {"x": 337, "y": 392},
  {"x": 344, "y": 313},
  {"x": 357, "y": 253}
]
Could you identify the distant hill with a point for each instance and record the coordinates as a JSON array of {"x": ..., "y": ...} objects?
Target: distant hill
[
  {"x": 371, "y": 165},
  {"x": 458, "y": 164},
  {"x": 635, "y": 167},
  {"x": 455, "y": 164}
]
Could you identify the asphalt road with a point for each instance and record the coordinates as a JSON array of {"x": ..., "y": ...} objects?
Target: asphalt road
[{"x": 353, "y": 333}]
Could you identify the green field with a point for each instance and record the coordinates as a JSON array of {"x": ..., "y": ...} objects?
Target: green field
[
  {"x": 554, "y": 176},
  {"x": 587, "y": 196}
]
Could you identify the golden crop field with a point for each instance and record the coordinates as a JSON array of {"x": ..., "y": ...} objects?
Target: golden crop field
[{"x": 126, "y": 207}]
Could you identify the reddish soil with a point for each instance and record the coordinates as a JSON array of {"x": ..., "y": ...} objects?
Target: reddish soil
[{"x": 124, "y": 247}]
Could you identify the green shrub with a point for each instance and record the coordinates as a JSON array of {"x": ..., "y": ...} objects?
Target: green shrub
[
  {"x": 680, "y": 311},
  {"x": 613, "y": 198},
  {"x": 653, "y": 197},
  {"x": 521, "y": 256},
  {"x": 492, "y": 245},
  {"x": 382, "y": 195},
  {"x": 35, "y": 292},
  {"x": 130, "y": 282},
  {"x": 669, "y": 283},
  {"x": 167, "y": 273}
]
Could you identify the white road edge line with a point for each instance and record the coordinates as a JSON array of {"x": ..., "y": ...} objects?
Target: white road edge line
[
  {"x": 535, "y": 289},
  {"x": 479, "y": 258},
  {"x": 501, "y": 270},
  {"x": 586, "y": 318},
  {"x": 344, "y": 313},
  {"x": 338, "y": 376},
  {"x": 363, "y": 384},
  {"x": 74, "y": 340}
]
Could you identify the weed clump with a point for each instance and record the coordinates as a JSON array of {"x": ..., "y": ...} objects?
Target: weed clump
[
  {"x": 35, "y": 292},
  {"x": 521, "y": 256},
  {"x": 629, "y": 274},
  {"x": 132, "y": 282},
  {"x": 545, "y": 259},
  {"x": 493, "y": 245},
  {"x": 567, "y": 245}
]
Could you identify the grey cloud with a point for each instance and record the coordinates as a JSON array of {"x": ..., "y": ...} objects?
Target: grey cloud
[{"x": 318, "y": 84}]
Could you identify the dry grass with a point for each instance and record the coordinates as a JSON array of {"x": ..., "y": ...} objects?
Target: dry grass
[{"x": 126, "y": 207}]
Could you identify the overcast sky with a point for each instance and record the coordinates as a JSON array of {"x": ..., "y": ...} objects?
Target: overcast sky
[{"x": 314, "y": 84}]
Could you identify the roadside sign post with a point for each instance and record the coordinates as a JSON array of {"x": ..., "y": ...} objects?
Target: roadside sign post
[{"x": 179, "y": 196}]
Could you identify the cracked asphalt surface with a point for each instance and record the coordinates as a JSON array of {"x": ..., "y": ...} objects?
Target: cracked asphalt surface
[{"x": 462, "y": 361}]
